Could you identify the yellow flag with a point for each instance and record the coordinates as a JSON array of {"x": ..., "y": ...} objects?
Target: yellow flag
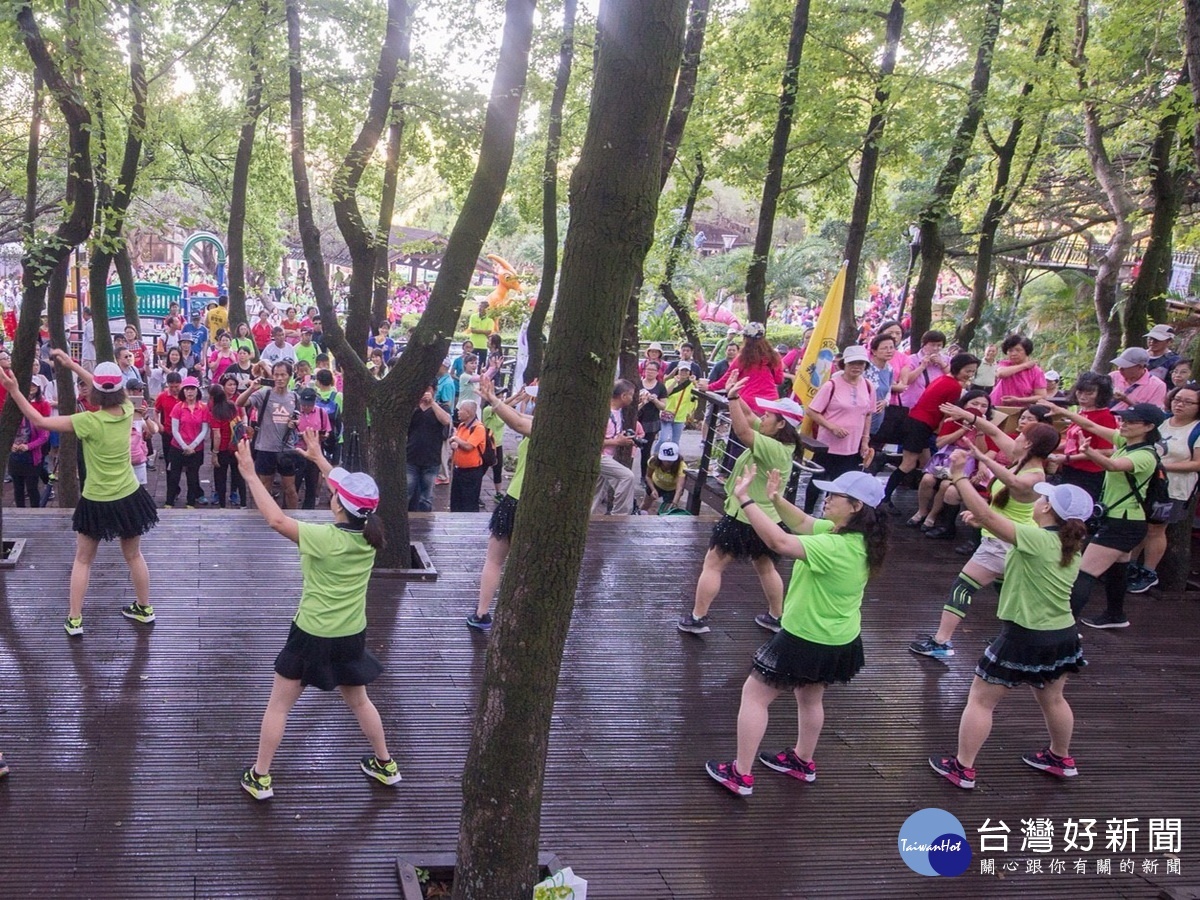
[{"x": 817, "y": 365}]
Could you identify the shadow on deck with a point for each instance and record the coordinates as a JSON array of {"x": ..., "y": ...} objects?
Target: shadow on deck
[{"x": 126, "y": 746}]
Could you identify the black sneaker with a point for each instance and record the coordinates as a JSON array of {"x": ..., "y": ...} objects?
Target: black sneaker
[
  {"x": 787, "y": 762},
  {"x": 480, "y": 623},
  {"x": 927, "y": 646},
  {"x": 138, "y": 613},
  {"x": 953, "y": 771},
  {"x": 1044, "y": 760},
  {"x": 383, "y": 772},
  {"x": 692, "y": 625},
  {"x": 727, "y": 775},
  {"x": 1104, "y": 620},
  {"x": 1142, "y": 581},
  {"x": 767, "y": 621}
]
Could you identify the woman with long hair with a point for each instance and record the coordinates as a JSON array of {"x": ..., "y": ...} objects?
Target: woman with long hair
[
  {"x": 758, "y": 363},
  {"x": 327, "y": 643},
  {"x": 1092, "y": 394},
  {"x": 244, "y": 337},
  {"x": 1038, "y": 643},
  {"x": 771, "y": 443},
  {"x": 1013, "y": 499},
  {"x": 224, "y": 414},
  {"x": 113, "y": 504},
  {"x": 819, "y": 643},
  {"x": 1127, "y": 474},
  {"x": 1180, "y": 434}
]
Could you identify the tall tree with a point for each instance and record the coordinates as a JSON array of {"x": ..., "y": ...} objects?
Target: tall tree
[
  {"x": 1191, "y": 13},
  {"x": 1170, "y": 167},
  {"x": 868, "y": 165},
  {"x": 679, "y": 241},
  {"x": 614, "y": 195},
  {"x": 240, "y": 188},
  {"x": 933, "y": 248},
  {"x": 1002, "y": 195},
  {"x": 535, "y": 331},
  {"x": 114, "y": 199},
  {"x": 756, "y": 275}
]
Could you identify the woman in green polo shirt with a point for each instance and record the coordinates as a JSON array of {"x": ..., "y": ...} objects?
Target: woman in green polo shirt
[
  {"x": 1038, "y": 643},
  {"x": 113, "y": 504},
  {"x": 327, "y": 644},
  {"x": 1127, "y": 474},
  {"x": 819, "y": 642}
]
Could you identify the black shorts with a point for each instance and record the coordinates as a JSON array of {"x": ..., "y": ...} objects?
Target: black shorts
[
  {"x": 915, "y": 435},
  {"x": 327, "y": 663},
  {"x": 268, "y": 462},
  {"x": 1120, "y": 534}
]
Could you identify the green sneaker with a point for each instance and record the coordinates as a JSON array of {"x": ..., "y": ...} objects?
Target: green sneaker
[
  {"x": 257, "y": 786},
  {"x": 138, "y": 613},
  {"x": 384, "y": 772},
  {"x": 73, "y": 627}
]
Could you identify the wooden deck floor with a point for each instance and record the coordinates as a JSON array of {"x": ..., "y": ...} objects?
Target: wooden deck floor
[{"x": 126, "y": 746}]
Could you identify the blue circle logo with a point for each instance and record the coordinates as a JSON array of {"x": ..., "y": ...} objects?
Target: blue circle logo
[{"x": 932, "y": 842}]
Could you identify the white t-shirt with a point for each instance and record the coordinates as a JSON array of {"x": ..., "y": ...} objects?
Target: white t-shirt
[
  {"x": 272, "y": 354},
  {"x": 1175, "y": 438},
  {"x": 89, "y": 341}
]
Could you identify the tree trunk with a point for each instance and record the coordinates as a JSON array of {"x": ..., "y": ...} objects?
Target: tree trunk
[
  {"x": 860, "y": 214},
  {"x": 933, "y": 250},
  {"x": 67, "y": 486},
  {"x": 128, "y": 286},
  {"x": 1118, "y": 202},
  {"x": 1191, "y": 14},
  {"x": 1001, "y": 200},
  {"x": 756, "y": 275},
  {"x": 535, "y": 331},
  {"x": 44, "y": 262},
  {"x": 614, "y": 193},
  {"x": 387, "y": 200},
  {"x": 236, "y": 236},
  {"x": 431, "y": 339},
  {"x": 1147, "y": 302},
  {"x": 665, "y": 287}
]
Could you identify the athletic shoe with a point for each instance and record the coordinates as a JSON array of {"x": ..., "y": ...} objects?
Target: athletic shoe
[
  {"x": 257, "y": 786},
  {"x": 727, "y": 775},
  {"x": 498, "y": 496},
  {"x": 189, "y": 507},
  {"x": 1062, "y": 766},
  {"x": 890, "y": 508},
  {"x": 692, "y": 625},
  {"x": 480, "y": 623},
  {"x": 441, "y": 479},
  {"x": 3, "y": 766},
  {"x": 201, "y": 501},
  {"x": 1104, "y": 620},
  {"x": 1142, "y": 581},
  {"x": 953, "y": 771},
  {"x": 74, "y": 627},
  {"x": 767, "y": 621},
  {"x": 235, "y": 499},
  {"x": 787, "y": 762},
  {"x": 138, "y": 613},
  {"x": 927, "y": 646},
  {"x": 383, "y": 772},
  {"x": 214, "y": 500}
]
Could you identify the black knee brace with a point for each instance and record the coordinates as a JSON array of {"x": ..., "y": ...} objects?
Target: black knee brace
[{"x": 962, "y": 592}]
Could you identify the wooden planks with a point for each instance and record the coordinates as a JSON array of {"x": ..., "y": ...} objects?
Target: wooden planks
[{"x": 126, "y": 746}]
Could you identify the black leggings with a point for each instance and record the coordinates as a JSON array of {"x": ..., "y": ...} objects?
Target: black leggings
[
  {"x": 26, "y": 479},
  {"x": 226, "y": 474},
  {"x": 498, "y": 468},
  {"x": 308, "y": 476},
  {"x": 179, "y": 464}
]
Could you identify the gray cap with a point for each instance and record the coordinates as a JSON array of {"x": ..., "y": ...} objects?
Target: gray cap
[{"x": 1133, "y": 356}]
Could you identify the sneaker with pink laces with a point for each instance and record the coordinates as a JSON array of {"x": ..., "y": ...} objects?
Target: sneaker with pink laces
[{"x": 727, "y": 775}]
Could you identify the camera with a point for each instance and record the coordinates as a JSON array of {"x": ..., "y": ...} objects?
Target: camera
[
  {"x": 637, "y": 441},
  {"x": 239, "y": 432},
  {"x": 266, "y": 382}
]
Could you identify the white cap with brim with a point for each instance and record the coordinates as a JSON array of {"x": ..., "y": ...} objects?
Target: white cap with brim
[
  {"x": 861, "y": 486},
  {"x": 108, "y": 378},
  {"x": 1161, "y": 333},
  {"x": 787, "y": 408},
  {"x": 855, "y": 354},
  {"x": 1132, "y": 356},
  {"x": 1068, "y": 501},
  {"x": 356, "y": 491},
  {"x": 668, "y": 451}
]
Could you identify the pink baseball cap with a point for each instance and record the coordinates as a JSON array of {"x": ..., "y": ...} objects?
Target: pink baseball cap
[{"x": 357, "y": 491}]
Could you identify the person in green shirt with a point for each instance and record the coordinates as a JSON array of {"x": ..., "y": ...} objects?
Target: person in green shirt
[
  {"x": 113, "y": 504},
  {"x": 504, "y": 514},
  {"x": 1123, "y": 523},
  {"x": 819, "y": 642},
  {"x": 1038, "y": 643},
  {"x": 327, "y": 643},
  {"x": 771, "y": 443},
  {"x": 306, "y": 350},
  {"x": 479, "y": 326}
]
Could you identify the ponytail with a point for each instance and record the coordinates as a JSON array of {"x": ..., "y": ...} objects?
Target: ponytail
[
  {"x": 1071, "y": 535},
  {"x": 373, "y": 532}
]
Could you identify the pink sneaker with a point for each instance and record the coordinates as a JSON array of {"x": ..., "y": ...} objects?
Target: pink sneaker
[{"x": 727, "y": 775}]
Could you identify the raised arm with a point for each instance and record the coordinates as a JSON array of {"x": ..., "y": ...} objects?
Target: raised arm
[
  {"x": 772, "y": 535},
  {"x": 1109, "y": 434},
  {"x": 1006, "y": 444},
  {"x": 50, "y": 423},
  {"x": 1022, "y": 482},
  {"x": 741, "y": 418},
  {"x": 64, "y": 359},
  {"x": 1002, "y": 527},
  {"x": 266, "y": 504},
  {"x": 518, "y": 422},
  {"x": 796, "y": 519}
]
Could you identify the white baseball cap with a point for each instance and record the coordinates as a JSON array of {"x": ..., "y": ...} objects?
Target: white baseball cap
[
  {"x": 791, "y": 411},
  {"x": 1161, "y": 333},
  {"x": 862, "y": 486},
  {"x": 108, "y": 378},
  {"x": 1069, "y": 501},
  {"x": 357, "y": 491},
  {"x": 668, "y": 451},
  {"x": 855, "y": 353}
]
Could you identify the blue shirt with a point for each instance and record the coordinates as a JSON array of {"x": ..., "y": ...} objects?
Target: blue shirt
[
  {"x": 882, "y": 379},
  {"x": 445, "y": 389}
]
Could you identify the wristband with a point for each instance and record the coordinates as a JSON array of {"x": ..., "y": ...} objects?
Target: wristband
[
  {"x": 732, "y": 396},
  {"x": 747, "y": 503},
  {"x": 961, "y": 478},
  {"x": 974, "y": 419}
]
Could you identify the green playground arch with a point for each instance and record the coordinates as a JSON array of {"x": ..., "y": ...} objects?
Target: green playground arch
[{"x": 154, "y": 299}]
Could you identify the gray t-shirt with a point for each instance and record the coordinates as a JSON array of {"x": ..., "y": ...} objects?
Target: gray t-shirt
[{"x": 274, "y": 416}]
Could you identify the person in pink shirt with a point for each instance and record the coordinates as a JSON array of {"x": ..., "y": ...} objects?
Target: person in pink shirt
[
  {"x": 842, "y": 410},
  {"x": 1133, "y": 383},
  {"x": 189, "y": 430},
  {"x": 923, "y": 368},
  {"x": 760, "y": 363},
  {"x": 1019, "y": 380}
]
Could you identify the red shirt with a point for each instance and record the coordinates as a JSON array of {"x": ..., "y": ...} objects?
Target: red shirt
[
  {"x": 191, "y": 421},
  {"x": 945, "y": 389},
  {"x": 164, "y": 403},
  {"x": 262, "y": 334},
  {"x": 1102, "y": 417}
]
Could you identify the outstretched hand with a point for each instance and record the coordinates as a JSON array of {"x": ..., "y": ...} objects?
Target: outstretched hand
[
  {"x": 773, "y": 482},
  {"x": 245, "y": 460},
  {"x": 312, "y": 445},
  {"x": 742, "y": 488},
  {"x": 958, "y": 464}
]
